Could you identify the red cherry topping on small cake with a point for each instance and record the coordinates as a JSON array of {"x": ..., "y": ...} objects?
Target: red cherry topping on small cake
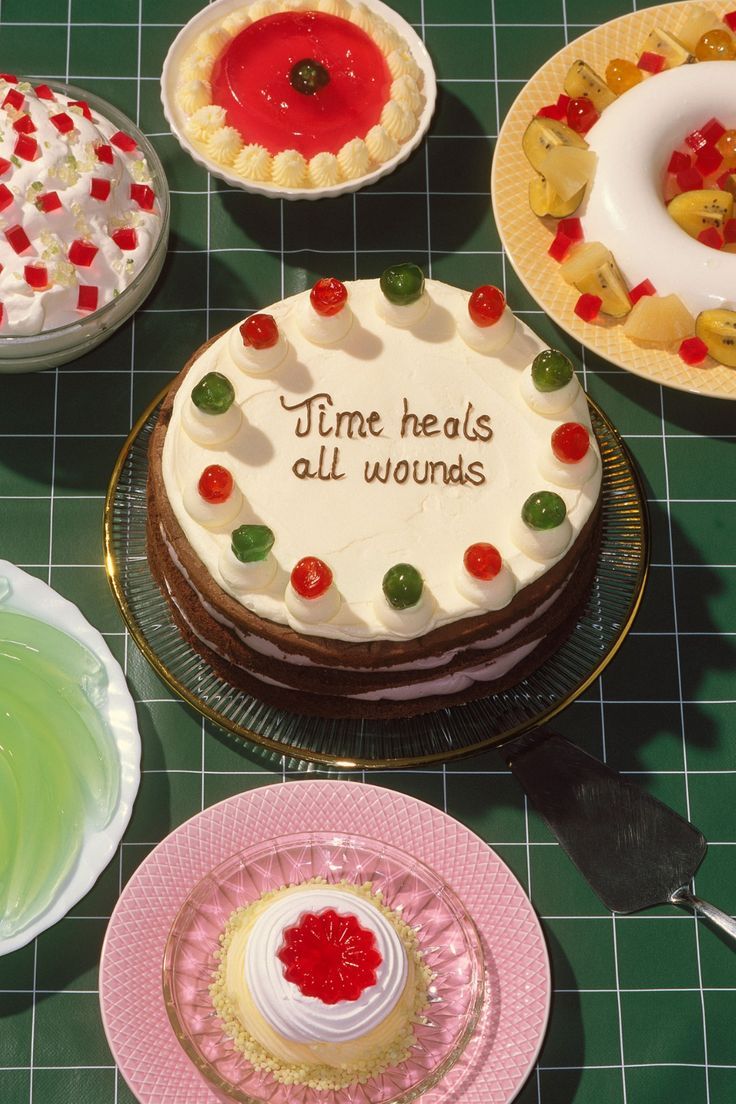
[
  {"x": 486, "y": 305},
  {"x": 311, "y": 577},
  {"x": 328, "y": 296},
  {"x": 330, "y": 956},
  {"x": 570, "y": 442},
  {"x": 215, "y": 484},
  {"x": 259, "y": 331},
  {"x": 482, "y": 561}
]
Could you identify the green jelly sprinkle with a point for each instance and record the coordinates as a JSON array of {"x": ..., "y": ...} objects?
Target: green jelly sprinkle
[
  {"x": 543, "y": 510},
  {"x": 402, "y": 586},
  {"x": 214, "y": 394},
  {"x": 402, "y": 284},
  {"x": 551, "y": 370},
  {"x": 252, "y": 543}
]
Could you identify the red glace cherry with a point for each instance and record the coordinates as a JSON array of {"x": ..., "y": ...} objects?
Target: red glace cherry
[
  {"x": 259, "y": 331},
  {"x": 215, "y": 484},
  {"x": 330, "y": 956},
  {"x": 581, "y": 115},
  {"x": 311, "y": 577},
  {"x": 570, "y": 442},
  {"x": 486, "y": 305},
  {"x": 482, "y": 561},
  {"x": 328, "y": 296}
]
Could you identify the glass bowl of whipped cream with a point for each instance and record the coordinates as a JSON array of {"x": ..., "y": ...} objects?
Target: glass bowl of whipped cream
[
  {"x": 84, "y": 222},
  {"x": 324, "y": 969}
]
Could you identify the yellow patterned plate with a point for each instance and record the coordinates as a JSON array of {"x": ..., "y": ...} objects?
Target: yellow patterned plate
[{"x": 526, "y": 238}]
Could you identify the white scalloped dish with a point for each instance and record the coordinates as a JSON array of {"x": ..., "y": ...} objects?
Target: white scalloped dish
[
  {"x": 95, "y": 840},
  {"x": 186, "y": 92}
]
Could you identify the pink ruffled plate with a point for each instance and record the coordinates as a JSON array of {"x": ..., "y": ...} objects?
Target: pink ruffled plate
[{"x": 505, "y": 1044}]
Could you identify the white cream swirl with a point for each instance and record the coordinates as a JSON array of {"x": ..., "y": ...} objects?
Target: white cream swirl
[
  {"x": 224, "y": 145},
  {"x": 354, "y": 159},
  {"x": 381, "y": 146},
  {"x": 254, "y": 162},
  {"x": 289, "y": 169},
  {"x": 206, "y": 121},
  {"x": 323, "y": 170},
  {"x": 194, "y": 94},
  {"x": 398, "y": 121}
]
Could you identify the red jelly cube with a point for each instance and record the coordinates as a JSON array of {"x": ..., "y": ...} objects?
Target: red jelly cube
[
  {"x": 646, "y": 287},
  {"x": 693, "y": 351},
  {"x": 123, "y": 141},
  {"x": 87, "y": 297},
  {"x": 729, "y": 231},
  {"x": 712, "y": 131},
  {"x": 125, "y": 237},
  {"x": 552, "y": 111},
  {"x": 573, "y": 227},
  {"x": 14, "y": 99},
  {"x": 83, "y": 106},
  {"x": 63, "y": 122},
  {"x": 17, "y": 239},
  {"x": 4, "y": 166},
  {"x": 689, "y": 180},
  {"x": 44, "y": 92},
  {"x": 678, "y": 161},
  {"x": 708, "y": 160},
  {"x": 99, "y": 188},
  {"x": 561, "y": 246},
  {"x": 104, "y": 153},
  {"x": 36, "y": 276},
  {"x": 711, "y": 238},
  {"x": 26, "y": 147},
  {"x": 696, "y": 140},
  {"x": 6, "y": 196},
  {"x": 1, "y": 314},
  {"x": 650, "y": 62},
  {"x": 24, "y": 125},
  {"x": 144, "y": 196},
  {"x": 730, "y": 20},
  {"x": 48, "y": 202},
  {"x": 82, "y": 253},
  {"x": 9, "y": 77},
  {"x": 588, "y": 307}
]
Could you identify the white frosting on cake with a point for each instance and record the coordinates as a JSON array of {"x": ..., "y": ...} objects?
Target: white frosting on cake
[
  {"x": 424, "y": 377},
  {"x": 625, "y": 209}
]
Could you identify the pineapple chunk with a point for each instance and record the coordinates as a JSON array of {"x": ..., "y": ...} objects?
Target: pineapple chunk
[
  {"x": 543, "y": 200},
  {"x": 582, "y": 80},
  {"x": 717, "y": 328},
  {"x": 542, "y": 135},
  {"x": 592, "y": 268},
  {"x": 568, "y": 169},
  {"x": 584, "y": 259},
  {"x": 659, "y": 41},
  {"x": 699, "y": 21},
  {"x": 659, "y": 320},
  {"x": 701, "y": 209}
]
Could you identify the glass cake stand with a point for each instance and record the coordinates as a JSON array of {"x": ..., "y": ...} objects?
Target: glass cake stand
[{"x": 346, "y": 744}]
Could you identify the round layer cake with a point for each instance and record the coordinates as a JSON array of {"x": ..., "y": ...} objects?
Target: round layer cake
[{"x": 375, "y": 499}]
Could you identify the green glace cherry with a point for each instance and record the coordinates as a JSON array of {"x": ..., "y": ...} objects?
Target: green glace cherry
[
  {"x": 251, "y": 543},
  {"x": 214, "y": 394},
  {"x": 551, "y": 370},
  {"x": 402, "y": 284},
  {"x": 308, "y": 76},
  {"x": 402, "y": 586},
  {"x": 543, "y": 510}
]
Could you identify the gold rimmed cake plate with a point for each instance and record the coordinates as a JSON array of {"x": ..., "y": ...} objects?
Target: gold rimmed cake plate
[
  {"x": 526, "y": 238},
  {"x": 347, "y": 743}
]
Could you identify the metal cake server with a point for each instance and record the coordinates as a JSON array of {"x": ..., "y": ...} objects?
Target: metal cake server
[{"x": 634, "y": 851}]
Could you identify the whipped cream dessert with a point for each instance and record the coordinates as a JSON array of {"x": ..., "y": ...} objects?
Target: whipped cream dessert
[{"x": 79, "y": 217}]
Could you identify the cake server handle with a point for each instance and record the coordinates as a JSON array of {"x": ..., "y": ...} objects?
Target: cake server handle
[{"x": 685, "y": 898}]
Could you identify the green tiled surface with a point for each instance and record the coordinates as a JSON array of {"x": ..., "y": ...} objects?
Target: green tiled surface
[{"x": 644, "y": 1007}]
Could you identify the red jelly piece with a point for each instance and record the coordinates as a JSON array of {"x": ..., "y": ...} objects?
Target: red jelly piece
[
  {"x": 125, "y": 237},
  {"x": 711, "y": 238},
  {"x": 552, "y": 111},
  {"x": 573, "y": 227},
  {"x": 689, "y": 180},
  {"x": 4, "y": 166},
  {"x": 1, "y": 314},
  {"x": 581, "y": 114},
  {"x": 36, "y": 276},
  {"x": 9, "y": 77},
  {"x": 26, "y": 147},
  {"x": 44, "y": 92},
  {"x": 650, "y": 62},
  {"x": 588, "y": 307},
  {"x": 730, "y": 20},
  {"x": 646, "y": 287},
  {"x": 328, "y": 296},
  {"x": 87, "y": 297},
  {"x": 250, "y": 79},
  {"x": 259, "y": 331},
  {"x": 486, "y": 305},
  {"x": 99, "y": 188},
  {"x": 123, "y": 141},
  {"x": 712, "y": 131},
  {"x": 144, "y": 196},
  {"x": 14, "y": 99},
  {"x": 693, "y": 351},
  {"x": 24, "y": 125},
  {"x": 6, "y": 196},
  {"x": 48, "y": 202},
  {"x": 561, "y": 245},
  {"x": 729, "y": 231},
  {"x": 63, "y": 122},
  {"x": 82, "y": 253},
  {"x": 330, "y": 956},
  {"x": 104, "y": 153},
  {"x": 708, "y": 160},
  {"x": 17, "y": 239},
  {"x": 482, "y": 561},
  {"x": 570, "y": 442},
  {"x": 677, "y": 162},
  {"x": 215, "y": 484},
  {"x": 311, "y": 577},
  {"x": 83, "y": 107}
]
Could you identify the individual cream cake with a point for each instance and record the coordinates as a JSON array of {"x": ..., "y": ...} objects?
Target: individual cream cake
[
  {"x": 375, "y": 498},
  {"x": 321, "y": 984},
  {"x": 78, "y": 216}
]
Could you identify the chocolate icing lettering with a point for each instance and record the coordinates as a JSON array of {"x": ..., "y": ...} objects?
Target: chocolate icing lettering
[
  {"x": 425, "y": 471},
  {"x": 475, "y": 427},
  {"x": 325, "y": 468}
]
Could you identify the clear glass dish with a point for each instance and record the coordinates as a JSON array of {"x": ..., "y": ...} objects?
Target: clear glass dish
[
  {"x": 447, "y": 936},
  {"x": 33, "y": 352}
]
